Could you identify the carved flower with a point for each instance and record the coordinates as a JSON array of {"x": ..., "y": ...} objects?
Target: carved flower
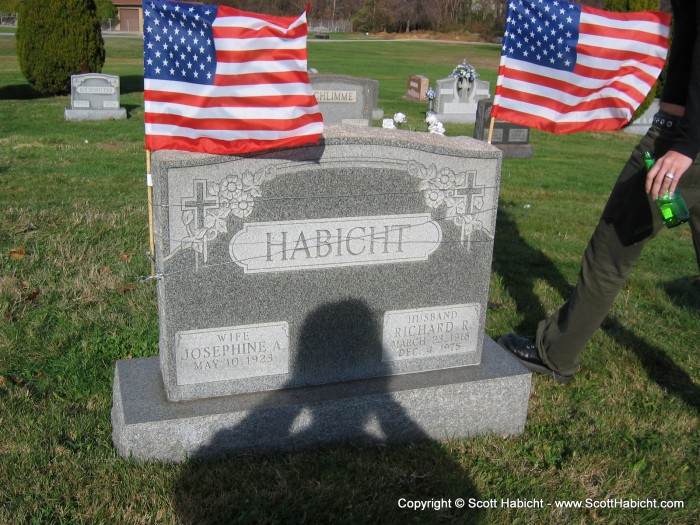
[
  {"x": 446, "y": 179},
  {"x": 231, "y": 187},
  {"x": 439, "y": 188},
  {"x": 243, "y": 206},
  {"x": 434, "y": 197}
]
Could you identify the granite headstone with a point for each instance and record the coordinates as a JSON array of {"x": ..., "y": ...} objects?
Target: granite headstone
[
  {"x": 512, "y": 139},
  {"x": 94, "y": 96},
  {"x": 457, "y": 101},
  {"x": 345, "y": 99},
  {"x": 302, "y": 291}
]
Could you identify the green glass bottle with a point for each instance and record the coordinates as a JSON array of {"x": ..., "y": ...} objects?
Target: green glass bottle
[{"x": 672, "y": 206}]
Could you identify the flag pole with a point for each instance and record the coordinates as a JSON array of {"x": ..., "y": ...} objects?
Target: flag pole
[
  {"x": 151, "y": 237},
  {"x": 493, "y": 121}
]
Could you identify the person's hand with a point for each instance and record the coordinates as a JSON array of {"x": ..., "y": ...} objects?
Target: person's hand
[{"x": 666, "y": 173}]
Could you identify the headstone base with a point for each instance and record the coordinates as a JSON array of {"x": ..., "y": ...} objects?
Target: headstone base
[
  {"x": 516, "y": 151},
  {"x": 489, "y": 399},
  {"x": 77, "y": 115},
  {"x": 457, "y": 118}
]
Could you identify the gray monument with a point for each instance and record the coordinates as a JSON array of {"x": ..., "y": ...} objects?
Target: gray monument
[
  {"x": 457, "y": 101},
  {"x": 322, "y": 294},
  {"x": 512, "y": 139},
  {"x": 347, "y": 100},
  {"x": 94, "y": 96}
]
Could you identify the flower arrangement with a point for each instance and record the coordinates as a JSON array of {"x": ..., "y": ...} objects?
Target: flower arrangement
[
  {"x": 433, "y": 124},
  {"x": 395, "y": 122},
  {"x": 431, "y": 96},
  {"x": 464, "y": 71}
]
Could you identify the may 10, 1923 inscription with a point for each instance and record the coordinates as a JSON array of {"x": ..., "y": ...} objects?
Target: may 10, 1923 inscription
[
  {"x": 430, "y": 332},
  {"x": 233, "y": 352}
]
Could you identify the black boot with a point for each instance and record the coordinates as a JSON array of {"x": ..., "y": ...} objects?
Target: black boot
[{"x": 525, "y": 350}]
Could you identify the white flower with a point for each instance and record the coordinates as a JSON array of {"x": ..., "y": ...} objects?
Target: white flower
[
  {"x": 388, "y": 123},
  {"x": 437, "y": 128},
  {"x": 400, "y": 118},
  {"x": 431, "y": 118}
]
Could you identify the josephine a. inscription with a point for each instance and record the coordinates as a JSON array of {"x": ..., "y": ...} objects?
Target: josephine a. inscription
[
  {"x": 429, "y": 332},
  {"x": 233, "y": 352},
  {"x": 333, "y": 242}
]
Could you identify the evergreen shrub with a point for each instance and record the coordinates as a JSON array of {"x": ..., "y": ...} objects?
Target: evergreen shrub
[{"x": 57, "y": 39}]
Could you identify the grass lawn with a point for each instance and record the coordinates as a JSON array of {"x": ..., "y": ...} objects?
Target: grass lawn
[{"x": 73, "y": 242}]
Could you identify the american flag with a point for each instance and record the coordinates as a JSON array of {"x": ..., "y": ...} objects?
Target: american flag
[
  {"x": 567, "y": 68},
  {"x": 224, "y": 81}
]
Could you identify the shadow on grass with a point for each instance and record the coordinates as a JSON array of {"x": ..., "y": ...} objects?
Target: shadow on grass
[
  {"x": 325, "y": 479},
  {"x": 127, "y": 84},
  {"x": 343, "y": 484},
  {"x": 131, "y": 84},
  {"x": 519, "y": 265},
  {"x": 19, "y": 92},
  {"x": 684, "y": 294}
]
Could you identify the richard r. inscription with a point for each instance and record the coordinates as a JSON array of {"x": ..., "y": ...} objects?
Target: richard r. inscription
[
  {"x": 233, "y": 352},
  {"x": 430, "y": 332}
]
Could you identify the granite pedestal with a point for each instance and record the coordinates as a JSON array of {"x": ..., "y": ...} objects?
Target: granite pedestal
[{"x": 488, "y": 399}]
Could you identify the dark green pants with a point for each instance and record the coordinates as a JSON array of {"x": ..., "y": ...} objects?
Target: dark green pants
[{"x": 629, "y": 220}]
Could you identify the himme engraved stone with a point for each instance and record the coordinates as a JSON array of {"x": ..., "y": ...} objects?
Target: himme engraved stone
[
  {"x": 334, "y": 292},
  {"x": 346, "y": 100},
  {"x": 336, "y": 97}
]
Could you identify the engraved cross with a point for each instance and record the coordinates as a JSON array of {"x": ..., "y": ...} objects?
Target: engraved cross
[
  {"x": 199, "y": 203},
  {"x": 469, "y": 191}
]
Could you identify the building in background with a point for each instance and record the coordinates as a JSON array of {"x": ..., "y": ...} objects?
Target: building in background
[{"x": 129, "y": 16}]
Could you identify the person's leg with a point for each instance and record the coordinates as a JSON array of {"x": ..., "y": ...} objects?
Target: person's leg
[
  {"x": 629, "y": 220},
  {"x": 695, "y": 232}
]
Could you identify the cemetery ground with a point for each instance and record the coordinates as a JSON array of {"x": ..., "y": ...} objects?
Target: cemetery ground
[{"x": 73, "y": 237}]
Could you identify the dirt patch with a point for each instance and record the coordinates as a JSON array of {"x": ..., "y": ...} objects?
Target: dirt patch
[{"x": 431, "y": 35}]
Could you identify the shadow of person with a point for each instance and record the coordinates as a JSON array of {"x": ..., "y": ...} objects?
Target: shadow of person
[
  {"x": 333, "y": 475},
  {"x": 519, "y": 265}
]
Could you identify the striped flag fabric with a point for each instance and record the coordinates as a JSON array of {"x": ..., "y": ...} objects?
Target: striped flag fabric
[
  {"x": 224, "y": 81},
  {"x": 567, "y": 68}
]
